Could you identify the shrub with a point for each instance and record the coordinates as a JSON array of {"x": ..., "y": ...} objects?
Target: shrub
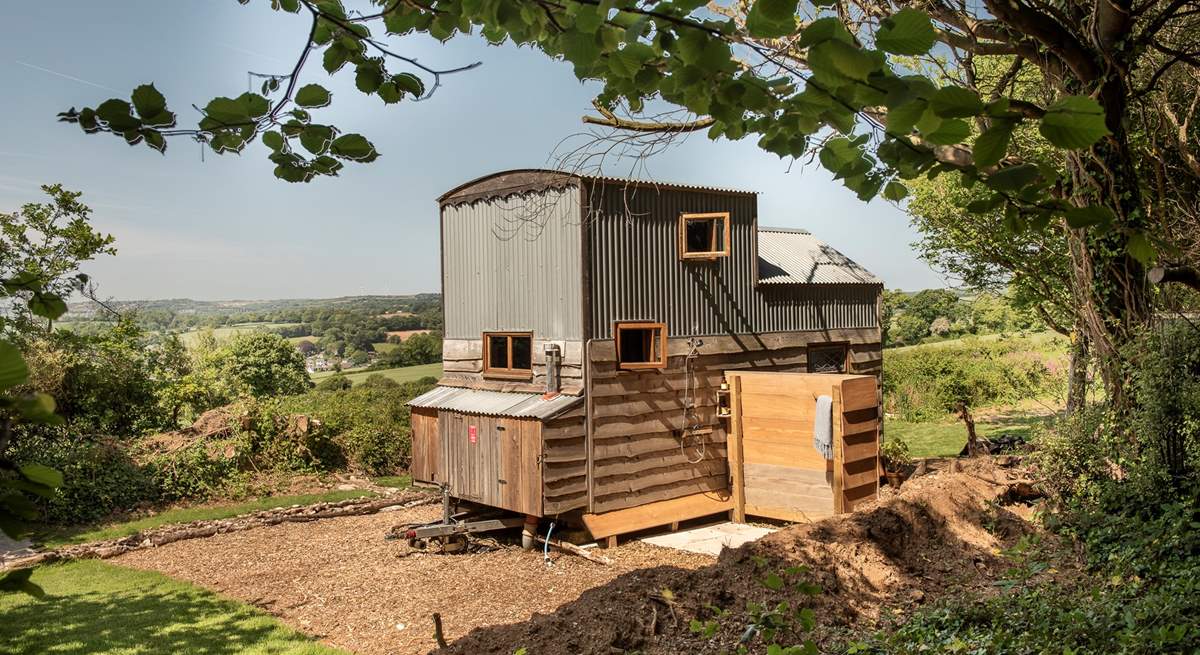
[
  {"x": 195, "y": 472},
  {"x": 99, "y": 476},
  {"x": 925, "y": 383},
  {"x": 335, "y": 382},
  {"x": 1166, "y": 395},
  {"x": 894, "y": 452}
]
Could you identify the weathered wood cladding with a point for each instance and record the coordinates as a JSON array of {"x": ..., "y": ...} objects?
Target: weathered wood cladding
[
  {"x": 638, "y": 416},
  {"x": 564, "y": 462},
  {"x": 635, "y": 272},
  {"x": 462, "y": 364},
  {"x": 513, "y": 263},
  {"x": 426, "y": 446},
  {"x": 497, "y": 463}
]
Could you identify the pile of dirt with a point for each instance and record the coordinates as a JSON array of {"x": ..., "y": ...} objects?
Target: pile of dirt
[
  {"x": 938, "y": 535},
  {"x": 213, "y": 428}
]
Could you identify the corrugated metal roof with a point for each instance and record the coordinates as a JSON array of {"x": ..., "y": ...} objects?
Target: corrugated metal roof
[
  {"x": 495, "y": 403},
  {"x": 523, "y": 180},
  {"x": 797, "y": 257}
]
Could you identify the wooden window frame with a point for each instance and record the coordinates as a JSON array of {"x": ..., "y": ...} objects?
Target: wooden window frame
[
  {"x": 713, "y": 253},
  {"x": 846, "y": 361},
  {"x": 506, "y": 373},
  {"x": 620, "y": 326}
]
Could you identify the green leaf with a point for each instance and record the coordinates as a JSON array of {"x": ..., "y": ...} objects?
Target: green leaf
[
  {"x": 47, "y": 305},
  {"x": 317, "y": 138},
  {"x": 907, "y": 32},
  {"x": 368, "y": 76},
  {"x": 992, "y": 145},
  {"x": 900, "y": 121},
  {"x": 227, "y": 111},
  {"x": 895, "y": 191},
  {"x": 846, "y": 59},
  {"x": 256, "y": 105},
  {"x": 949, "y": 132},
  {"x": 1074, "y": 122},
  {"x": 273, "y": 140},
  {"x": 1012, "y": 178},
  {"x": 771, "y": 18},
  {"x": 1140, "y": 248},
  {"x": 334, "y": 58},
  {"x": 148, "y": 101},
  {"x": 155, "y": 140},
  {"x": 354, "y": 147},
  {"x": 956, "y": 102},
  {"x": 410, "y": 83},
  {"x": 312, "y": 95},
  {"x": 43, "y": 475},
  {"x": 821, "y": 30},
  {"x": 13, "y": 371},
  {"x": 773, "y": 582},
  {"x": 38, "y": 407},
  {"x": 117, "y": 114},
  {"x": 1088, "y": 216}
]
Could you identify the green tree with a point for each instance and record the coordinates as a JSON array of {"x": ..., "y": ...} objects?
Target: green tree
[
  {"x": 41, "y": 248},
  {"x": 846, "y": 80},
  {"x": 263, "y": 364}
]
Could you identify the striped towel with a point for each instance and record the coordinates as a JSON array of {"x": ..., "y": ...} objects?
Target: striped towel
[{"x": 823, "y": 427}]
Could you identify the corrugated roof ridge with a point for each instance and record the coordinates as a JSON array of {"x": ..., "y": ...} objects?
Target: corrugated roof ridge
[{"x": 788, "y": 230}]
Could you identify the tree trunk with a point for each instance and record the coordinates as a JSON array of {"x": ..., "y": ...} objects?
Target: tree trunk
[{"x": 1077, "y": 375}]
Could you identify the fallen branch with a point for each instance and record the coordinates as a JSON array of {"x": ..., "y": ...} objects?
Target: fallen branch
[
  {"x": 575, "y": 550},
  {"x": 199, "y": 529}
]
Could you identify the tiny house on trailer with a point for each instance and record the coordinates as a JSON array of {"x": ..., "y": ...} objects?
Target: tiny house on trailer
[{"x": 629, "y": 354}]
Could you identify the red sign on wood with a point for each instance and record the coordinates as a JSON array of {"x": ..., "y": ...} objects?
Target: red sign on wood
[{"x": 473, "y": 434}]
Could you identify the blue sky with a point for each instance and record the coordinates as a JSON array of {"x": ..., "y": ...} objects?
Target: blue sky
[{"x": 210, "y": 227}]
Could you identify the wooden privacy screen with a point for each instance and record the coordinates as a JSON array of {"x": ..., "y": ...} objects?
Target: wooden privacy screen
[{"x": 776, "y": 472}]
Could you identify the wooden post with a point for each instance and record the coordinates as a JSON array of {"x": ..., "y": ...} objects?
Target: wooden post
[
  {"x": 736, "y": 469},
  {"x": 839, "y": 457}
]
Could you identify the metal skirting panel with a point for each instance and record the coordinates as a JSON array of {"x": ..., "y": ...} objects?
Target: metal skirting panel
[{"x": 514, "y": 263}]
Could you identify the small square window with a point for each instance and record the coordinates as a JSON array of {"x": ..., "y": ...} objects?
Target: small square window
[
  {"x": 508, "y": 354},
  {"x": 641, "y": 345},
  {"x": 704, "y": 236},
  {"x": 827, "y": 358}
]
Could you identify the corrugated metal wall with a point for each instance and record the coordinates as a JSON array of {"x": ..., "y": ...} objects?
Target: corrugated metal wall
[
  {"x": 636, "y": 273},
  {"x": 514, "y": 264}
]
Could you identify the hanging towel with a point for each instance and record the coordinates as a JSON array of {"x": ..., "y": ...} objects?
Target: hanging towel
[{"x": 823, "y": 426}]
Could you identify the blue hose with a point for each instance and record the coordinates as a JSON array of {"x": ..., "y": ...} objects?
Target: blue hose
[{"x": 546, "y": 548}]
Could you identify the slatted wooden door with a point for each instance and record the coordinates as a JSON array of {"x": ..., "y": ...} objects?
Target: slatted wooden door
[
  {"x": 776, "y": 470},
  {"x": 493, "y": 461}
]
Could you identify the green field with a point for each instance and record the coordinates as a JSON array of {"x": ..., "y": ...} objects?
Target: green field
[
  {"x": 92, "y": 607},
  {"x": 1049, "y": 342},
  {"x": 946, "y": 438},
  {"x": 385, "y": 347},
  {"x": 402, "y": 374}
]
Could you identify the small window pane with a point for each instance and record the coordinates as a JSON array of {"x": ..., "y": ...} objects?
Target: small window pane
[
  {"x": 699, "y": 234},
  {"x": 498, "y": 352},
  {"x": 635, "y": 345},
  {"x": 522, "y": 353},
  {"x": 827, "y": 359}
]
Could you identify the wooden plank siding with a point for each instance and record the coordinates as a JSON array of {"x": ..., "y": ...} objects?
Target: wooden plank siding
[
  {"x": 564, "y": 462},
  {"x": 501, "y": 467},
  {"x": 638, "y": 416},
  {"x": 462, "y": 366}
]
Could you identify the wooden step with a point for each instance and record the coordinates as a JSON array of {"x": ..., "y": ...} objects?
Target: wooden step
[{"x": 652, "y": 515}]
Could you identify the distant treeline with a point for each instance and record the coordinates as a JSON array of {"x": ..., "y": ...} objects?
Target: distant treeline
[{"x": 933, "y": 315}]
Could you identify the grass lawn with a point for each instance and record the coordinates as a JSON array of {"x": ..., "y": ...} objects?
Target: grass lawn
[
  {"x": 384, "y": 347},
  {"x": 97, "y": 608},
  {"x": 1044, "y": 342},
  {"x": 61, "y": 536},
  {"x": 402, "y": 374},
  {"x": 947, "y": 438}
]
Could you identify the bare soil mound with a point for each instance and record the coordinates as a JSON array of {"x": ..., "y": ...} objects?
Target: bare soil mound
[
  {"x": 211, "y": 428},
  {"x": 940, "y": 534}
]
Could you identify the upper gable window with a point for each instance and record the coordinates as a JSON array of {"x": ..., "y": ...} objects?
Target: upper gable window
[
  {"x": 508, "y": 354},
  {"x": 704, "y": 236}
]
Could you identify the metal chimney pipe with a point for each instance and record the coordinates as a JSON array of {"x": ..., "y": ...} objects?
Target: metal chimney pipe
[{"x": 553, "y": 361}]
